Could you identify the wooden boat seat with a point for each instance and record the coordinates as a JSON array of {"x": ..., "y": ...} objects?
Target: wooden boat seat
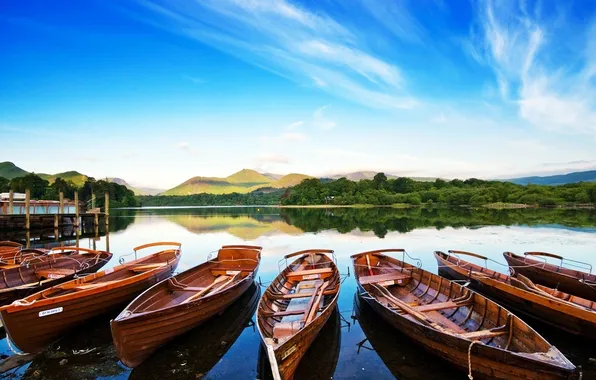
[
  {"x": 310, "y": 274},
  {"x": 53, "y": 273},
  {"x": 229, "y": 271},
  {"x": 438, "y": 306},
  {"x": 385, "y": 278},
  {"x": 9, "y": 266},
  {"x": 175, "y": 286},
  {"x": 147, "y": 267},
  {"x": 483, "y": 334}
]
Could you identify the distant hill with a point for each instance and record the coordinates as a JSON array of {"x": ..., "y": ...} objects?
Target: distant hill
[
  {"x": 242, "y": 182},
  {"x": 9, "y": 170},
  {"x": 77, "y": 178},
  {"x": 136, "y": 190},
  {"x": 560, "y": 179}
]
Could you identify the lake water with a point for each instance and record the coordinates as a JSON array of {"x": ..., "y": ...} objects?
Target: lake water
[{"x": 355, "y": 344}]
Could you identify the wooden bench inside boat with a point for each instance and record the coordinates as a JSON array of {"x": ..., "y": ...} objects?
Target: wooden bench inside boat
[
  {"x": 300, "y": 310},
  {"x": 175, "y": 286},
  {"x": 146, "y": 267},
  {"x": 310, "y": 274},
  {"x": 398, "y": 277},
  {"x": 218, "y": 283},
  {"x": 53, "y": 272},
  {"x": 229, "y": 271}
]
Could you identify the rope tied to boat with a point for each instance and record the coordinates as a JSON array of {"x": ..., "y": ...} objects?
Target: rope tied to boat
[{"x": 470, "y": 358}]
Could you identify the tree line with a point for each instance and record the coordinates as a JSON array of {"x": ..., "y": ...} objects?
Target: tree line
[
  {"x": 473, "y": 192},
  {"x": 255, "y": 198},
  {"x": 120, "y": 196}
]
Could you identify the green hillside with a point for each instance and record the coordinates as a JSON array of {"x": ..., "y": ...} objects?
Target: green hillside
[
  {"x": 242, "y": 182},
  {"x": 77, "y": 178},
  {"x": 560, "y": 179},
  {"x": 9, "y": 170}
]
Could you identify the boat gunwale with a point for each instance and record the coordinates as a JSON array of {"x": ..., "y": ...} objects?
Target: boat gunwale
[{"x": 544, "y": 265}]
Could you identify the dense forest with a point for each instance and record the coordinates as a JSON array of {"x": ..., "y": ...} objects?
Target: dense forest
[
  {"x": 204, "y": 199},
  {"x": 40, "y": 188},
  {"x": 473, "y": 192}
]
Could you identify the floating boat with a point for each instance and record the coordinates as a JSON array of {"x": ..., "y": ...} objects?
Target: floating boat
[
  {"x": 41, "y": 269},
  {"x": 35, "y": 321},
  {"x": 200, "y": 349},
  {"x": 459, "y": 325},
  {"x": 319, "y": 361},
  {"x": 182, "y": 302},
  {"x": 572, "y": 281},
  {"x": 570, "y": 313},
  {"x": 295, "y": 307}
]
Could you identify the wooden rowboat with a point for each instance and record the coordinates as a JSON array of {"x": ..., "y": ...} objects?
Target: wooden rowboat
[
  {"x": 41, "y": 269},
  {"x": 572, "y": 281},
  {"x": 182, "y": 302},
  {"x": 200, "y": 349},
  {"x": 570, "y": 313},
  {"x": 35, "y": 321},
  {"x": 459, "y": 325},
  {"x": 295, "y": 307}
]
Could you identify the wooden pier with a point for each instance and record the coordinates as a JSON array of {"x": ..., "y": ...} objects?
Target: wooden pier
[{"x": 27, "y": 220}]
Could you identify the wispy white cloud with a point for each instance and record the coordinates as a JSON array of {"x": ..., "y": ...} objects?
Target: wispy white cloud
[
  {"x": 294, "y": 125},
  {"x": 439, "y": 119},
  {"x": 523, "y": 49},
  {"x": 320, "y": 120},
  {"x": 299, "y": 44}
]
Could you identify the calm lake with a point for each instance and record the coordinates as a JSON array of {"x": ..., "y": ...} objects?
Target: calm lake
[{"x": 355, "y": 343}]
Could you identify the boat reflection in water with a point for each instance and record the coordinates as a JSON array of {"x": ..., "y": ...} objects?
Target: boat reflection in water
[
  {"x": 84, "y": 353},
  {"x": 403, "y": 358},
  {"x": 195, "y": 353},
  {"x": 320, "y": 360}
]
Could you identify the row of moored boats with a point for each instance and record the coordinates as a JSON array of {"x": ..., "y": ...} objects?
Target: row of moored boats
[{"x": 47, "y": 293}]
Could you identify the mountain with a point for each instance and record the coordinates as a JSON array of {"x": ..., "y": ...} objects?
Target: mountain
[
  {"x": 273, "y": 176},
  {"x": 77, "y": 178},
  {"x": 560, "y": 179},
  {"x": 9, "y": 170},
  {"x": 136, "y": 190},
  {"x": 244, "y": 181}
]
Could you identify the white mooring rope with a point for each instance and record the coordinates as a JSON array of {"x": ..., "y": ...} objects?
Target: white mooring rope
[{"x": 470, "y": 359}]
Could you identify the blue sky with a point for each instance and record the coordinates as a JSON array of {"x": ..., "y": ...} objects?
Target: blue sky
[{"x": 156, "y": 92}]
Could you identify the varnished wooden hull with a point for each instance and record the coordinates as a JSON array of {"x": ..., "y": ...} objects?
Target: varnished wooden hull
[
  {"x": 199, "y": 350},
  {"x": 541, "y": 275},
  {"x": 31, "y": 332},
  {"x": 487, "y": 362},
  {"x": 299, "y": 344},
  {"x": 319, "y": 361},
  {"x": 137, "y": 338},
  {"x": 547, "y": 311}
]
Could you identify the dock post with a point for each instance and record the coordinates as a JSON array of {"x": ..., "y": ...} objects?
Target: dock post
[
  {"x": 107, "y": 210},
  {"x": 76, "y": 200},
  {"x": 56, "y": 224},
  {"x": 92, "y": 200},
  {"x": 27, "y": 209},
  {"x": 11, "y": 202},
  {"x": 27, "y": 239},
  {"x": 107, "y": 240},
  {"x": 61, "y": 208}
]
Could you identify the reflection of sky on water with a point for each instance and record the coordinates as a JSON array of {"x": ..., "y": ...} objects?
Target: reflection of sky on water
[{"x": 278, "y": 238}]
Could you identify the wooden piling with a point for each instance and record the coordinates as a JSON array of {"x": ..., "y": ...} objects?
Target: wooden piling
[
  {"x": 27, "y": 209},
  {"x": 11, "y": 202},
  {"x": 56, "y": 223},
  {"x": 61, "y": 207},
  {"x": 76, "y": 200},
  {"x": 92, "y": 200},
  {"x": 107, "y": 209}
]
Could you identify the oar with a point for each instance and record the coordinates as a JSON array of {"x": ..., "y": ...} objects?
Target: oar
[{"x": 199, "y": 294}]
